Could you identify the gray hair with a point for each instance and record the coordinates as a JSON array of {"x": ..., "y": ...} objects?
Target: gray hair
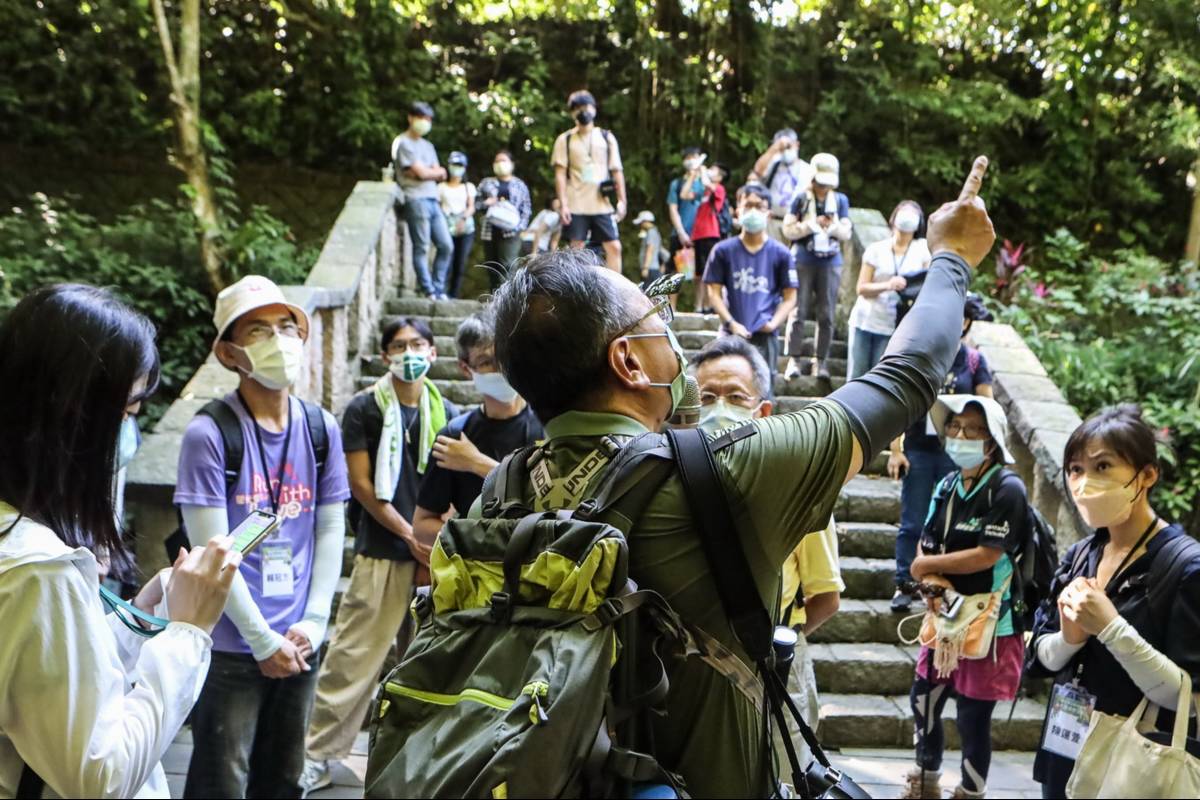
[
  {"x": 738, "y": 347},
  {"x": 474, "y": 331},
  {"x": 554, "y": 318}
]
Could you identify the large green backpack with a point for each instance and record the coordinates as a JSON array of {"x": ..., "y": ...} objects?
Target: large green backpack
[{"x": 537, "y": 659}]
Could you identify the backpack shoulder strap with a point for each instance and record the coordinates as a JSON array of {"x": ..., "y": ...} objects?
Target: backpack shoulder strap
[
  {"x": 718, "y": 535},
  {"x": 1166, "y": 571},
  {"x": 502, "y": 488},
  {"x": 230, "y": 428},
  {"x": 318, "y": 433}
]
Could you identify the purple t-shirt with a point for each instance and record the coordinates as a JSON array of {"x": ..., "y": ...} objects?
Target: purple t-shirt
[
  {"x": 754, "y": 282},
  {"x": 201, "y": 482}
]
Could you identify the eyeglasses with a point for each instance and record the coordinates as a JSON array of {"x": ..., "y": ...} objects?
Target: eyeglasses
[
  {"x": 972, "y": 431},
  {"x": 660, "y": 306},
  {"x": 735, "y": 398},
  {"x": 414, "y": 346},
  {"x": 483, "y": 365},
  {"x": 261, "y": 331}
]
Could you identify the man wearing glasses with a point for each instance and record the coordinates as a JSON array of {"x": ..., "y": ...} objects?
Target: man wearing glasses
[
  {"x": 250, "y": 719},
  {"x": 751, "y": 280},
  {"x": 389, "y": 436}
]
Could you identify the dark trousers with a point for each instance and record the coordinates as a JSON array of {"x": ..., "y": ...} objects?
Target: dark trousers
[
  {"x": 974, "y": 728},
  {"x": 925, "y": 469},
  {"x": 768, "y": 345},
  {"x": 817, "y": 290},
  {"x": 499, "y": 254},
  {"x": 248, "y": 731},
  {"x": 458, "y": 262}
]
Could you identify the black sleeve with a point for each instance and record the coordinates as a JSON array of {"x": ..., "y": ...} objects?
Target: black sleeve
[
  {"x": 354, "y": 435},
  {"x": 1183, "y": 624},
  {"x": 900, "y": 389},
  {"x": 1007, "y": 517},
  {"x": 435, "y": 492}
]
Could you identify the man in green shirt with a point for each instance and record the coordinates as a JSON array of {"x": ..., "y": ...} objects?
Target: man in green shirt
[{"x": 596, "y": 359}]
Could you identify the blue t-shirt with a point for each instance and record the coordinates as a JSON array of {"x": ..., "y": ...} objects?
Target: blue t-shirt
[
  {"x": 754, "y": 281},
  {"x": 805, "y": 257},
  {"x": 687, "y": 208}
]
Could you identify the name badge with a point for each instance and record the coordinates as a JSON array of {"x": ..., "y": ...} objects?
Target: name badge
[
  {"x": 591, "y": 173},
  {"x": 277, "y": 578},
  {"x": 1067, "y": 723}
]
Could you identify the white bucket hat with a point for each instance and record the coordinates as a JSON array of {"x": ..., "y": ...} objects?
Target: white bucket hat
[
  {"x": 825, "y": 167},
  {"x": 645, "y": 216},
  {"x": 948, "y": 405},
  {"x": 251, "y": 292}
]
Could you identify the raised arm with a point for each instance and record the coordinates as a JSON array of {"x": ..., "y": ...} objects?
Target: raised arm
[{"x": 902, "y": 387}]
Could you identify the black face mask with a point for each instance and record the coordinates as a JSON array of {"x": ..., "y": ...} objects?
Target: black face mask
[{"x": 585, "y": 117}]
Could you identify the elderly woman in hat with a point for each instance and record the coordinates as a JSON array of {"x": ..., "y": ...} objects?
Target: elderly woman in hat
[{"x": 972, "y": 648}]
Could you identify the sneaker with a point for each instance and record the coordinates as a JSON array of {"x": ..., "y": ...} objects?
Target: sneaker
[
  {"x": 922, "y": 785},
  {"x": 821, "y": 369},
  {"x": 901, "y": 602},
  {"x": 793, "y": 369},
  {"x": 316, "y": 776},
  {"x": 963, "y": 793}
]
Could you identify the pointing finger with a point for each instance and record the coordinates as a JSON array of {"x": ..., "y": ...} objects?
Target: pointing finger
[{"x": 975, "y": 180}]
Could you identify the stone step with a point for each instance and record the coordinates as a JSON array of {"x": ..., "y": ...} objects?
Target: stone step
[
  {"x": 862, "y": 621},
  {"x": 867, "y": 539},
  {"x": 424, "y": 307},
  {"x": 865, "y": 720},
  {"x": 868, "y": 578},
  {"x": 863, "y": 667},
  {"x": 869, "y": 499}
]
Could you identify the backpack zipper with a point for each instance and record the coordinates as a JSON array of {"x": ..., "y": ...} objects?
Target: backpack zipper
[{"x": 537, "y": 691}]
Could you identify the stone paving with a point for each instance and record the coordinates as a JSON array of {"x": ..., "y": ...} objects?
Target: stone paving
[{"x": 880, "y": 772}]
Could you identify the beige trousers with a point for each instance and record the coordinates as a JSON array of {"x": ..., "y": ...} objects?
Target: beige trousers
[{"x": 369, "y": 619}]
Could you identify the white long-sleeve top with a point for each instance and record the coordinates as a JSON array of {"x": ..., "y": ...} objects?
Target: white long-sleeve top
[{"x": 89, "y": 705}]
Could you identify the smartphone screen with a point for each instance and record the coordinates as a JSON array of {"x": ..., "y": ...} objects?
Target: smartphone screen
[{"x": 252, "y": 530}]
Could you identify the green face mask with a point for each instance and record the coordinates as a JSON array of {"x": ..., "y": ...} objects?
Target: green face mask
[{"x": 679, "y": 383}]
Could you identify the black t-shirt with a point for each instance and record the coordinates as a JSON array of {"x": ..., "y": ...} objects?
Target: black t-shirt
[
  {"x": 995, "y": 513},
  {"x": 495, "y": 438},
  {"x": 362, "y": 425},
  {"x": 1174, "y": 632},
  {"x": 969, "y": 371}
]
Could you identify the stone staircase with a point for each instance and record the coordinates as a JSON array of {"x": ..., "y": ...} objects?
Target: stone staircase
[{"x": 863, "y": 672}]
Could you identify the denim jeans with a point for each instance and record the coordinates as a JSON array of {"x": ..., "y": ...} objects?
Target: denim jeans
[
  {"x": 925, "y": 469},
  {"x": 426, "y": 223},
  {"x": 865, "y": 351},
  {"x": 248, "y": 730},
  {"x": 818, "y": 290}
]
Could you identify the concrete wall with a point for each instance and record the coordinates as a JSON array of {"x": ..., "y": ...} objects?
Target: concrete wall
[{"x": 363, "y": 264}]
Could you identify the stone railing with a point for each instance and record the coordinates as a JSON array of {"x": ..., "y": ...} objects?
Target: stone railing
[
  {"x": 1039, "y": 419},
  {"x": 364, "y": 262}
]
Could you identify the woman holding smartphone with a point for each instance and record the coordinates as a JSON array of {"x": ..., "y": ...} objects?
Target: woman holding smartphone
[{"x": 90, "y": 701}]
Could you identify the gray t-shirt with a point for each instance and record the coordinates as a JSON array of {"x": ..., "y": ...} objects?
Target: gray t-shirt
[
  {"x": 651, "y": 243},
  {"x": 407, "y": 151}
]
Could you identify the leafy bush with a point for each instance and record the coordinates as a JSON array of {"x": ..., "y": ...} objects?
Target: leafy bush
[
  {"x": 1120, "y": 329},
  {"x": 148, "y": 256}
]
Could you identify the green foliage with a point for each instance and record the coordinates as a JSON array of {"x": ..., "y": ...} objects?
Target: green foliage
[
  {"x": 1121, "y": 329},
  {"x": 148, "y": 256}
]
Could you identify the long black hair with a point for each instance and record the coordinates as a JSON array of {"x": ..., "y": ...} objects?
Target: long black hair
[{"x": 69, "y": 356}]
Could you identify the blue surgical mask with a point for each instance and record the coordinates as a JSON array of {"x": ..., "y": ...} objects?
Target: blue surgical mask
[
  {"x": 494, "y": 385},
  {"x": 678, "y": 384},
  {"x": 966, "y": 453},
  {"x": 754, "y": 221},
  {"x": 719, "y": 415},
  {"x": 127, "y": 442}
]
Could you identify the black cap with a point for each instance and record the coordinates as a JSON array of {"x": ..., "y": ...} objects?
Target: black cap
[
  {"x": 580, "y": 98},
  {"x": 420, "y": 109},
  {"x": 457, "y": 158}
]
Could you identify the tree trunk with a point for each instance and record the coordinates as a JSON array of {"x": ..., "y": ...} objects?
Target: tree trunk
[
  {"x": 1191, "y": 251},
  {"x": 184, "y": 76}
]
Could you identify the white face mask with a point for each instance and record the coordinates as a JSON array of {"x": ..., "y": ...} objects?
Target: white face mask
[
  {"x": 502, "y": 169},
  {"x": 966, "y": 453},
  {"x": 494, "y": 385},
  {"x": 907, "y": 221},
  {"x": 790, "y": 155},
  {"x": 275, "y": 363},
  {"x": 719, "y": 415}
]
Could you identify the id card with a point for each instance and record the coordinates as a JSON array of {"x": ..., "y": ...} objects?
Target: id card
[
  {"x": 1067, "y": 723},
  {"x": 277, "y": 579},
  {"x": 591, "y": 173}
]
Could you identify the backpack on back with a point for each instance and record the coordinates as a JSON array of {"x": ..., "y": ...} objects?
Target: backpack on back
[
  {"x": 536, "y": 655},
  {"x": 725, "y": 220}
]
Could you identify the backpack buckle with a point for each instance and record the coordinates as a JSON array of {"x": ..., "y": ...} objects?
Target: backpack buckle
[
  {"x": 501, "y": 607},
  {"x": 491, "y": 506},
  {"x": 585, "y": 510}
]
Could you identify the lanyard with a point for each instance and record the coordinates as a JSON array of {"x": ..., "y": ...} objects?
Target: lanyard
[
  {"x": 896, "y": 267},
  {"x": 1129, "y": 556},
  {"x": 276, "y": 494}
]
